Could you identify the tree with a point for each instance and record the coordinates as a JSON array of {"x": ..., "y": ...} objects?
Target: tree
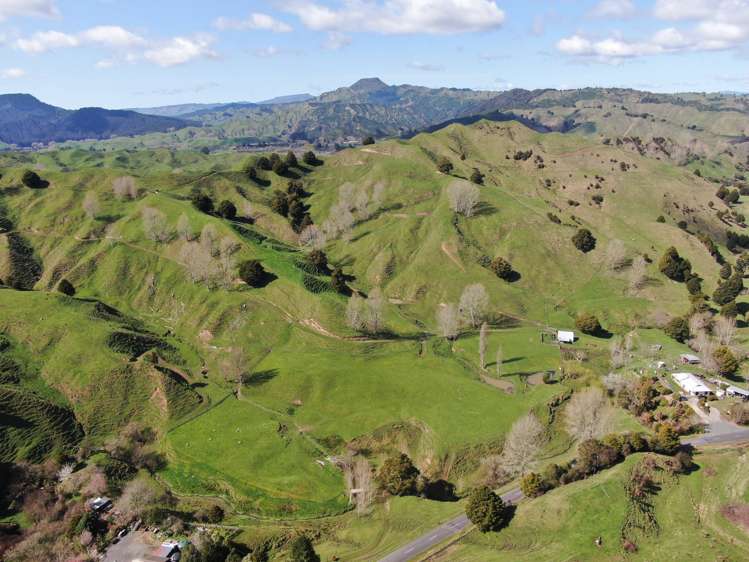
[
  {"x": 694, "y": 285},
  {"x": 252, "y": 273},
  {"x": 32, "y": 180},
  {"x": 725, "y": 329},
  {"x": 474, "y": 302},
  {"x": 584, "y": 240},
  {"x": 486, "y": 510},
  {"x": 673, "y": 266},
  {"x": 444, "y": 165},
  {"x": 291, "y": 160},
  {"x": 263, "y": 163},
  {"x": 678, "y": 329},
  {"x": 728, "y": 290},
  {"x": 725, "y": 271},
  {"x": 317, "y": 261},
  {"x": 338, "y": 281},
  {"x": 501, "y": 268},
  {"x": 666, "y": 440},
  {"x": 477, "y": 177},
  {"x": 638, "y": 273},
  {"x": 482, "y": 344},
  {"x": 227, "y": 209},
  {"x": 124, "y": 188},
  {"x": 356, "y": 312},
  {"x": 66, "y": 287},
  {"x": 302, "y": 550},
  {"x": 91, "y": 205},
  {"x": 155, "y": 225},
  {"x": 726, "y": 360},
  {"x": 532, "y": 485},
  {"x": 367, "y": 141},
  {"x": 588, "y": 324},
  {"x": 279, "y": 203},
  {"x": 398, "y": 476},
  {"x": 310, "y": 159},
  {"x": 184, "y": 228},
  {"x": 522, "y": 445},
  {"x": 448, "y": 322},
  {"x": 280, "y": 168},
  {"x": 588, "y": 414},
  {"x": 593, "y": 456},
  {"x": 463, "y": 197},
  {"x": 202, "y": 203}
]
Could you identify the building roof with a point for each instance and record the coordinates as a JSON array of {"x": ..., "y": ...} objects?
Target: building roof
[
  {"x": 565, "y": 335},
  {"x": 736, "y": 390},
  {"x": 690, "y": 383},
  {"x": 689, "y": 357}
]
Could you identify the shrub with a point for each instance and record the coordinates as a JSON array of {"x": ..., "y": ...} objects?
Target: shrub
[
  {"x": 532, "y": 485},
  {"x": 66, "y": 287},
  {"x": 367, "y": 141},
  {"x": 477, "y": 177},
  {"x": 588, "y": 324},
  {"x": 486, "y": 510},
  {"x": 666, "y": 440},
  {"x": 202, "y": 203},
  {"x": 32, "y": 180},
  {"x": 678, "y": 329},
  {"x": 291, "y": 160},
  {"x": 726, "y": 360},
  {"x": 398, "y": 475},
  {"x": 501, "y": 268},
  {"x": 694, "y": 285},
  {"x": 338, "y": 281},
  {"x": 660, "y": 218},
  {"x": 673, "y": 266},
  {"x": 728, "y": 290},
  {"x": 444, "y": 165},
  {"x": 593, "y": 456},
  {"x": 227, "y": 209},
  {"x": 584, "y": 240},
  {"x": 317, "y": 261},
  {"x": 252, "y": 273},
  {"x": 309, "y": 158},
  {"x": 302, "y": 550},
  {"x": 725, "y": 271}
]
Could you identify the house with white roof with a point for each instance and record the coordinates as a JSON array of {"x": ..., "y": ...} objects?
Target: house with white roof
[{"x": 691, "y": 384}]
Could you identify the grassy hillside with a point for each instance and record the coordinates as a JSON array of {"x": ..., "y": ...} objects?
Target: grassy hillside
[
  {"x": 692, "y": 515},
  {"x": 316, "y": 386}
]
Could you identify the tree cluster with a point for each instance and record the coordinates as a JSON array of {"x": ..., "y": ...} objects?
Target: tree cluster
[{"x": 584, "y": 240}]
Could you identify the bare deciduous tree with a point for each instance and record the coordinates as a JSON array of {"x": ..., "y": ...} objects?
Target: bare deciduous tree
[
  {"x": 463, "y": 197},
  {"x": 638, "y": 273},
  {"x": 155, "y": 225},
  {"x": 357, "y": 473},
  {"x": 616, "y": 255},
  {"x": 208, "y": 238},
  {"x": 356, "y": 312},
  {"x": 588, "y": 414},
  {"x": 184, "y": 228},
  {"x": 699, "y": 322},
  {"x": 703, "y": 344},
  {"x": 375, "y": 310},
  {"x": 482, "y": 344},
  {"x": 725, "y": 330},
  {"x": 366, "y": 315},
  {"x": 614, "y": 383},
  {"x": 91, "y": 205},
  {"x": 124, "y": 188},
  {"x": 494, "y": 474},
  {"x": 312, "y": 237},
  {"x": 523, "y": 445},
  {"x": 474, "y": 303},
  {"x": 448, "y": 322}
]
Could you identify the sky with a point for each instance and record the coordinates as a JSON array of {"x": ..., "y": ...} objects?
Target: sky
[{"x": 141, "y": 53}]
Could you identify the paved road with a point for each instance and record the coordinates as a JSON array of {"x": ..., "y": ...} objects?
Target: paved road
[{"x": 440, "y": 534}]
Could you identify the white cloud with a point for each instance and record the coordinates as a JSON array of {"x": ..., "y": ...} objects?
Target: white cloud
[
  {"x": 401, "y": 16},
  {"x": 105, "y": 64},
  {"x": 336, "y": 40},
  {"x": 181, "y": 50},
  {"x": 716, "y": 25},
  {"x": 254, "y": 22},
  {"x": 43, "y": 41},
  {"x": 683, "y": 9},
  {"x": 12, "y": 73},
  {"x": 30, "y": 8},
  {"x": 614, "y": 9},
  {"x": 426, "y": 67},
  {"x": 111, "y": 36},
  {"x": 267, "y": 52}
]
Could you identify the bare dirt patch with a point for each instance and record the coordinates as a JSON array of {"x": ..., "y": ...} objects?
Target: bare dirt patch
[
  {"x": 449, "y": 253},
  {"x": 503, "y": 385},
  {"x": 737, "y": 513},
  {"x": 535, "y": 379}
]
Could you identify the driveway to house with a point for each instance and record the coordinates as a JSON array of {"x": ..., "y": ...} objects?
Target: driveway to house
[
  {"x": 137, "y": 546},
  {"x": 718, "y": 431}
]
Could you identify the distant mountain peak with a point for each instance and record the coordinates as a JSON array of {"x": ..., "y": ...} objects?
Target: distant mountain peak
[{"x": 368, "y": 85}]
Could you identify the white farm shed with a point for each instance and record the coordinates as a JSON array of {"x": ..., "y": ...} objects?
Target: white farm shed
[
  {"x": 689, "y": 359},
  {"x": 738, "y": 392},
  {"x": 563, "y": 336},
  {"x": 691, "y": 384}
]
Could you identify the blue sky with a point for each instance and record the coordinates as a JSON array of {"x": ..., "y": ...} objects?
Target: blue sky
[{"x": 125, "y": 53}]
